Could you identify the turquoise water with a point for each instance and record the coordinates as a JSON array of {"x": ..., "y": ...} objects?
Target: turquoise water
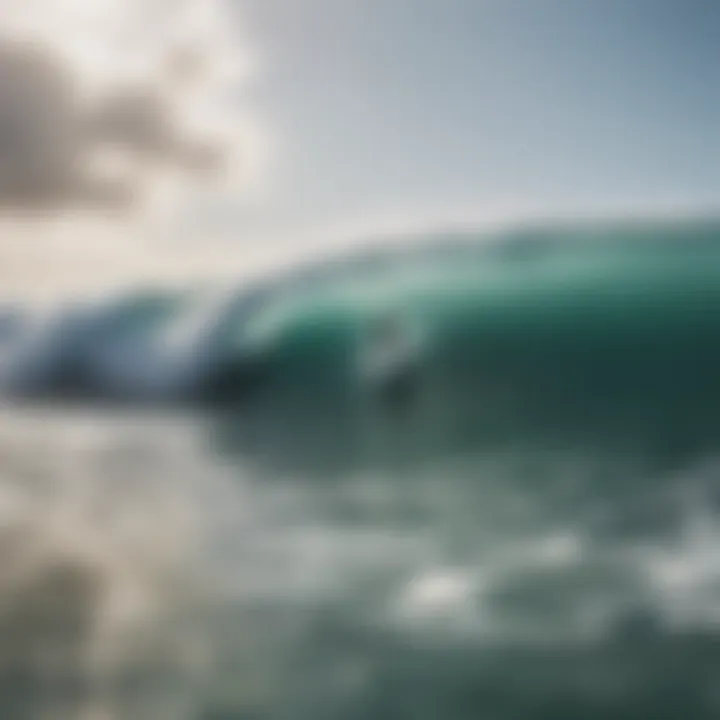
[
  {"x": 503, "y": 504},
  {"x": 603, "y": 343}
]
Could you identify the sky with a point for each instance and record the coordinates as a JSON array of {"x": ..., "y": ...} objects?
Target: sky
[
  {"x": 353, "y": 117},
  {"x": 387, "y": 106}
]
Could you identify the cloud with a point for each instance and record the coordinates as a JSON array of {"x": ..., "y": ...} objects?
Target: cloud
[{"x": 101, "y": 101}]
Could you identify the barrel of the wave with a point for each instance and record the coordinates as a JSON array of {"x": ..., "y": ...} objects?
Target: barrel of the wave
[{"x": 597, "y": 341}]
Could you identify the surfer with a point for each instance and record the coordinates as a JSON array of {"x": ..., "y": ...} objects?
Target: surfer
[{"x": 390, "y": 363}]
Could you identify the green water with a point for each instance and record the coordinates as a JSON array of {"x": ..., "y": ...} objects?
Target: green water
[
  {"x": 603, "y": 341},
  {"x": 526, "y": 530}
]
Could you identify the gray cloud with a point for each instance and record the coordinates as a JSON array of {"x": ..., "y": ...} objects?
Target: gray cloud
[
  {"x": 138, "y": 121},
  {"x": 51, "y": 137}
]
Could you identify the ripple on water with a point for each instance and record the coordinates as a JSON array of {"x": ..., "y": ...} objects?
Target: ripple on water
[{"x": 142, "y": 576}]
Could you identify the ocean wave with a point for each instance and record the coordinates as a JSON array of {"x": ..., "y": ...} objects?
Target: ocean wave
[{"x": 596, "y": 335}]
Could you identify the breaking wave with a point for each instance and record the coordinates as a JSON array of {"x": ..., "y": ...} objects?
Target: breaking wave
[{"x": 163, "y": 563}]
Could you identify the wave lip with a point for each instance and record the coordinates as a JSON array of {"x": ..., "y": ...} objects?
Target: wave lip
[{"x": 138, "y": 348}]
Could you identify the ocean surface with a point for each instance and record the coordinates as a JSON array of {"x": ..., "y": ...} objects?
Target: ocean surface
[{"x": 524, "y": 533}]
